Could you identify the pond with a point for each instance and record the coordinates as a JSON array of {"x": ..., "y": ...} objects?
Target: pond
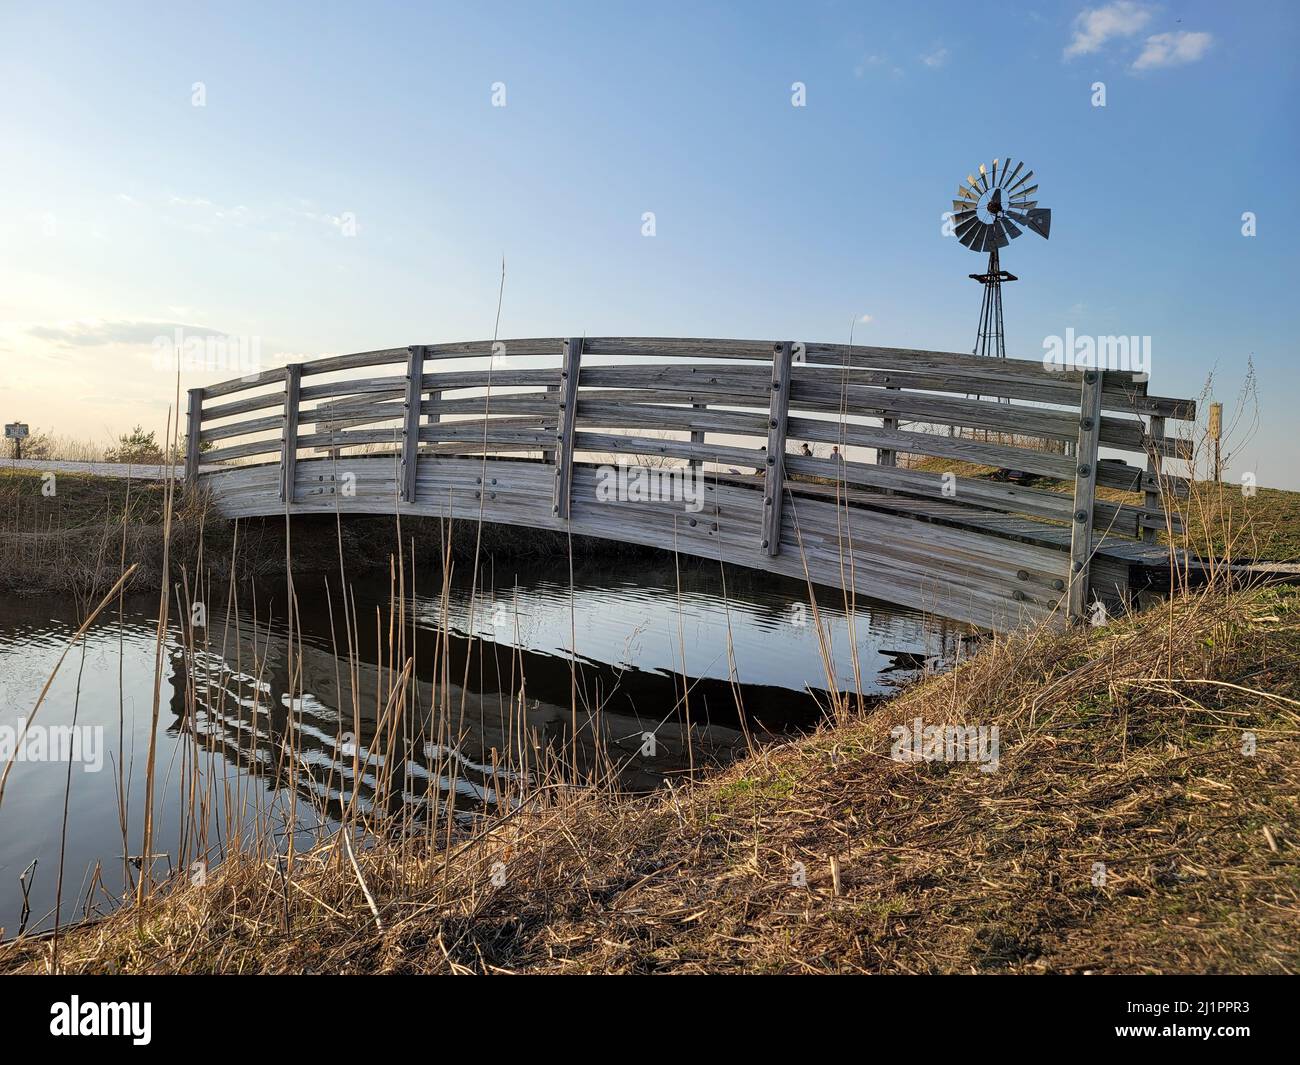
[{"x": 270, "y": 726}]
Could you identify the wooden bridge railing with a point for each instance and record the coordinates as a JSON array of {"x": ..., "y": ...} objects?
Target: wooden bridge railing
[{"x": 751, "y": 412}]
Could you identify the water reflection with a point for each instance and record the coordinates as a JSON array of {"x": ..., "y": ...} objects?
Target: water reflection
[{"x": 641, "y": 671}]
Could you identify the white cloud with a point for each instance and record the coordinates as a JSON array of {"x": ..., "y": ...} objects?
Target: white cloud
[
  {"x": 95, "y": 333},
  {"x": 875, "y": 61},
  {"x": 1172, "y": 49},
  {"x": 1093, "y": 27},
  {"x": 937, "y": 58}
]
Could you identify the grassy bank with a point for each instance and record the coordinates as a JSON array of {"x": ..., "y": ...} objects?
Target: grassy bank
[
  {"x": 81, "y": 538},
  {"x": 1126, "y": 829}
]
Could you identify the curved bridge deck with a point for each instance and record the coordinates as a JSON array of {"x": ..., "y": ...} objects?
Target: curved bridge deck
[{"x": 723, "y": 449}]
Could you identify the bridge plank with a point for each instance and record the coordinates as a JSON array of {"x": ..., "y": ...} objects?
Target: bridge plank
[{"x": 957, "y": 573}]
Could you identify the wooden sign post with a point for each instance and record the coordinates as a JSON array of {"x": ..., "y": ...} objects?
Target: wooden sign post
[
  {"x": 1216, "y": 432},
  {"x": 17, "y": 432}
]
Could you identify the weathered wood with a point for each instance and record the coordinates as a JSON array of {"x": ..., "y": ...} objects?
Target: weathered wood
[
  {"x": 833, "y": 355},
  {"x": 1153, "y": 500},
  {"x": 1085, "y": 490},
  {"x": 774, "y": 474},
  {"x": 193, "y": 429},
  {"x": 552, "y": 400},
  {"x": 567, "y": 417},
  {"x": 411, "y": 426},
  {"x": 698, "y": 435},
  {"x": 434, "y": 411},
  {"x": 887, "y": 456},
  {"x": 992, "y": 554},
  {"x": 1120, "y": 433},
  {"x": 289, "y": 449}
]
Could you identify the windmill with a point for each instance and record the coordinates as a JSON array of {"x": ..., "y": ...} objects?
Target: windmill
[{"x": 988, "y": 214}]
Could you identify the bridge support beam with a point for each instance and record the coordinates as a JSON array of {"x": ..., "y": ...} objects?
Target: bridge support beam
[
  {"x": 289, "y": 443},
  {"x": 192, "y": 438},
  {"x": 411, "y": 421},
  {"x": 1085, "y": 494},
  {"x": 774, "y": 474},
  {"x": 568, "y": 411}
]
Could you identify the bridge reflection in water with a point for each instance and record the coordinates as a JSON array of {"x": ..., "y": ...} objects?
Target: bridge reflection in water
[{"x": 494, "y": 700}]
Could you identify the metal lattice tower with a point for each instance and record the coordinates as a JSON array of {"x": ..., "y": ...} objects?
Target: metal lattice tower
[{"x": 990, "y": 339}]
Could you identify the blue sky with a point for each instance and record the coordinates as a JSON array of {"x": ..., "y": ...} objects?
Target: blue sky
[{"x": 130, "y": 211}]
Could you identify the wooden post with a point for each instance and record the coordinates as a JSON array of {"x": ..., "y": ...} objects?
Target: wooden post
[
  {"x": 289, "y": 443},
  {"x": 568, "y": 410},
  {"x": 698, "y": 435},
  {"x": 774, "y": 475},
  {"x": 435, "y": 416},
  {"x": 888, "y": 456},
  {"x": 548, "y": 453},
  {"x": 1216, "y": 433},
  {"x": 1152, "y": 499},
  {"x": 411, "y": 421},
  {"x": 192, "y": 431},
  {"x": 1085, "y": 491}
]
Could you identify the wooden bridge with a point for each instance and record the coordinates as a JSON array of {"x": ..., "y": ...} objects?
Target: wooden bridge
[{"x": 795, "y": 451}]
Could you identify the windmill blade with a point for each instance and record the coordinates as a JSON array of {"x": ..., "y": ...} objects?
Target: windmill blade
[
  {"x": 1008, "y": 178},
  {"x": 1040, "y": 221},
  {"x": 1018, "y": 217},
  {"x": 984, "y": 178},
  {"x": 1025, "y": 205},
  {"x": 995, "y": 173},
  {"x": 1024, "y": 193},
  {"x": 963, "y": 205},
  {"x": 969, "y": 194},
  {"x": 968, "y": 228},
  {"x": 998, "y": 239},
  {"x": 1012, "y": 229},
  {"x": 974, "y": 235},
  {"x": 1015, "y": 188}
]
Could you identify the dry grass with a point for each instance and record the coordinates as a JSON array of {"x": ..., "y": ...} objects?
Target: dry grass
[
  {"x": 1121, "y": 745},
  {"x": 80, "y": 539}
]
